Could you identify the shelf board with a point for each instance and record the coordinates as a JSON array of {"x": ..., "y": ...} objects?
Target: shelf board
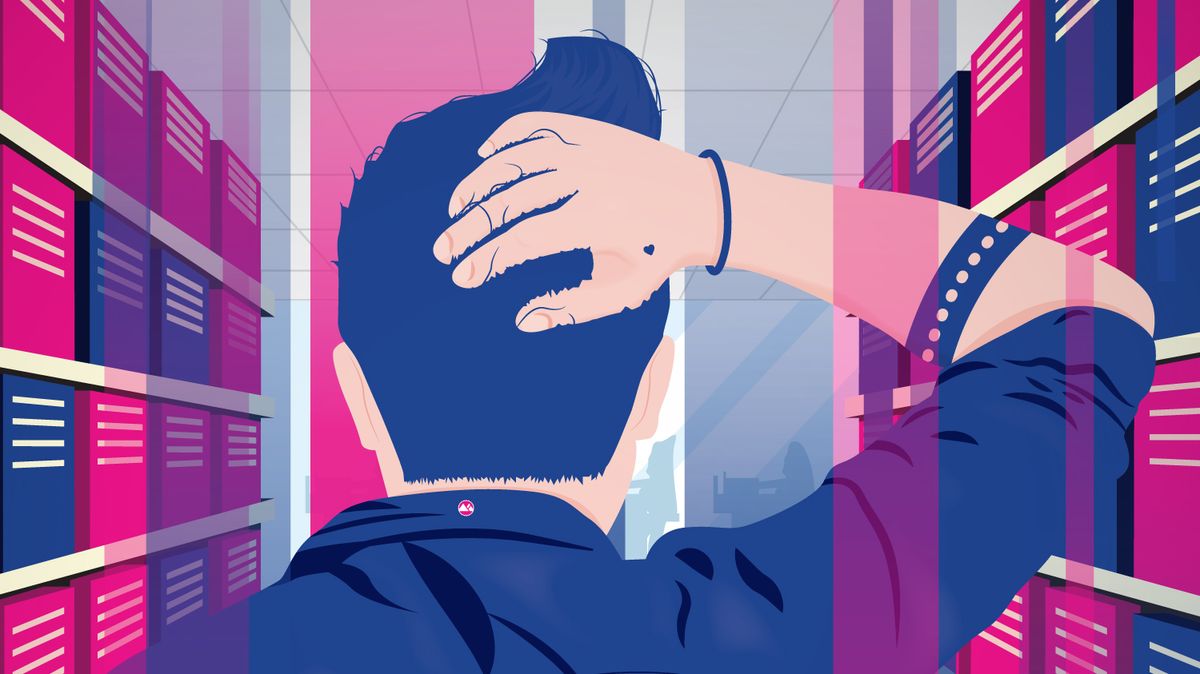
[
  {"x": 905, "y": 397},
  {"x": 1136, "y": 589},
  {"x": 138, "y": 546},
  {"x": 1077, "y": 151},
  {"x": 168, "y": 234},
  {"x": 1177, "y": 347},
  {"x": 90, "y": 374}
]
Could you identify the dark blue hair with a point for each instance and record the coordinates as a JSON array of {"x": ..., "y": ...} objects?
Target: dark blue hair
[{"x": 463, "y": 392}]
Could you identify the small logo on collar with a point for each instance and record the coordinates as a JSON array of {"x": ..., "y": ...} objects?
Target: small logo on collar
[{"x": 466, "y": 508}]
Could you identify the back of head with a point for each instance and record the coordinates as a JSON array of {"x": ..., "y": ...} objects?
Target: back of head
[{"x": 463, "y": 392}]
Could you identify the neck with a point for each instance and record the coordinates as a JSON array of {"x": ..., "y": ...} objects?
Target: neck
[
  {"x": 597, "y": 498},
  {"x": 580, "y": 494}
]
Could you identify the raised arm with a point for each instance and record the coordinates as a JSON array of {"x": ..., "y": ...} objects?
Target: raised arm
[
  {"x": 916, "y": 544},
  {"x": 646, "y": 209}
]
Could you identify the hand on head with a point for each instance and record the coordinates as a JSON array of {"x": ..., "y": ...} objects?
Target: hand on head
[{"x": 643, "y": 208}]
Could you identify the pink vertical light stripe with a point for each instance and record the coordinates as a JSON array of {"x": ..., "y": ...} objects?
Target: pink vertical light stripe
[
  {"x": 375, "y": 62},
  {"x": 1080, "y": 436},
  {"x": 847, "y": 164}
]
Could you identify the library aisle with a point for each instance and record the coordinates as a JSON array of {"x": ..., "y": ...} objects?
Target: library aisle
[{"x": 182, "y": 418}]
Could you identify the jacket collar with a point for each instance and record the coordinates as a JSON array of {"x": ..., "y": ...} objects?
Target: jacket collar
[{"x": 502, "y": 514}]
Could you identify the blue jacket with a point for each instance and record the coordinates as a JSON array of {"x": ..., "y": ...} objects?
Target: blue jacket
[{"x": 901, "y": 556}]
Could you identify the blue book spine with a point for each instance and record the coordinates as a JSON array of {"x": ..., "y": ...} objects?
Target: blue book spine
[
  {"x": 1168, "y": 217},
  {"x": 1164, "y": 643},
  {"x": 940, "y": 159},
  {"x": 182, "y": 320},
  {"x": 178, "y": 584},
  {"x": 38, "y": 483},
  {"x": 1089, "y": 65},
  {"x": 116, "y": 312}
]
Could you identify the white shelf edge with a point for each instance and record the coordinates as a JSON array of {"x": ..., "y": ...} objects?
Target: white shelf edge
[
  {"x": 1177, "y": 347},
  {"x": 87, "y": 181},
  {"x": 904, "y": 397},
  {"x": 1136, "y": 589},
  {"x": 90, "y": 374},
  {"x": 1078, "y": 150},
  {"x": 138, "y": 546}
]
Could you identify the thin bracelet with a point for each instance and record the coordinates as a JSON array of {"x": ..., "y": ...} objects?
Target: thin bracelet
[{"x": 726, "y": 208}]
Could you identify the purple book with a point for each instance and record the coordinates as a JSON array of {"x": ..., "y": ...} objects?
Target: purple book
[
  {"x": 112, "y": 122},
  {"x": 235, "y": 345},
  {"x": 180, "y": 160},
  {"x": 117, "y": 304},
  {"x": 182, "y": 320},
  {"x": 180, "y": 471},
  {"x": 236, "y": 211},
  {"x": 237, "y": 470}
]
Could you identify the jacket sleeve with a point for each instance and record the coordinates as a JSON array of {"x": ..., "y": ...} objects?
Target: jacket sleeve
[{"x": 915, "y": 545}]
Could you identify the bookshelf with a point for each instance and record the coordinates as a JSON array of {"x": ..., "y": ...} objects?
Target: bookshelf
[
  {"x": 82, "y": 178},
  {"x": 1169, "y": 348},
  {"x": 1050, "y": 169},
  {"x": 138, "y": 546}
]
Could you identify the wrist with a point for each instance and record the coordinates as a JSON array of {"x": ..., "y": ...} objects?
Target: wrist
[{"x": 704, "y": 226}]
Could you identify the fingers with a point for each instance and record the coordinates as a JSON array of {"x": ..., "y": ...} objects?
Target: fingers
[
  {"x": 525, "y": 125},
  {"x": 498, "y": 210},
  {"x": 546, "y": 234},
  {"x": 521, "y": 161},
  {"x": 587, "y": 302}
]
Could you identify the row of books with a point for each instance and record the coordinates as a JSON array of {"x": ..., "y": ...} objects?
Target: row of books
[
  {"x": 71, "y": 73},
  {"x": 85, "y": 468},
  {"x": 136, "y": 305},
  {"x": 102, "y": 619},
  {"x": 1075, "y": 629},
  {"x": 1137, "y": 208},
  {"x": 1134, "y": 206},
  {"x": 1046, "y": 75}
]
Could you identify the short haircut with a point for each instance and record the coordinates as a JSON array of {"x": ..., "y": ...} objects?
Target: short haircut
[{"x": 463, "y": 392}]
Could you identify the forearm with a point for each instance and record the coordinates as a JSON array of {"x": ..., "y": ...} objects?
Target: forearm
[{"x": 874, "y": 253}]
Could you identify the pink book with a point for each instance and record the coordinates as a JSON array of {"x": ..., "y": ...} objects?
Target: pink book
[
  {"x": 900, "y": 166},
  {"x": 1013, "y": 643},
  {"x": 233, "y": 562},
  {"x": 37, "y": 276},
  {"x": 890, "y": 173},
  {"x": 110, "y": 477},
  {"x": 235, "y": 348},
  {"x": 112, "y": 127},
  {"x": 1087, "y": 632},
  {"x": 238, "y": 471},
  {"x": 1008, "y": 101},
  {"x": 110, "y": 617},
  {"x": 1147, "y": 40},
  {"x": 179, "y": 160},
  {"x": 37, "y": 67},
  {"x": 1029, "y": 216},
  {"x": 237, "y": 211},
  {"x": 39, "y": 631},
  {"x": 180, "y": 470},
  {"x": 1166, "y": 477},
  {"x": 1093, "y": 209}
]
